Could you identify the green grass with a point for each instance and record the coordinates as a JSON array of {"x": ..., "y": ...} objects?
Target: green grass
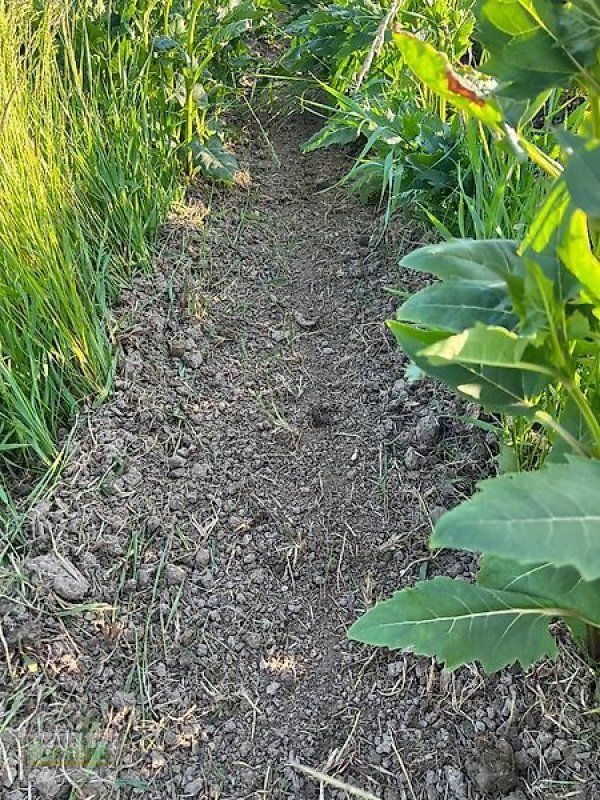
[
  {"x": 54, "y": 349},
  {"x": 86, "y": 178},
  {"x": 103, "y": 109}
]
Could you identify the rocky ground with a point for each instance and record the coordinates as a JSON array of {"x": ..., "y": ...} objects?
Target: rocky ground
[{"x": 263, "y": 472}]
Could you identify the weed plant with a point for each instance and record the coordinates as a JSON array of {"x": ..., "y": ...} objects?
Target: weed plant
[
  {"x": 104, "y": 109},
  {"x": 512, "y": 325}
]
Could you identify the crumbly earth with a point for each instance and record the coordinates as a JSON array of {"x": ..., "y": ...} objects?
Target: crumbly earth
[{"x": 263, "y": 472}]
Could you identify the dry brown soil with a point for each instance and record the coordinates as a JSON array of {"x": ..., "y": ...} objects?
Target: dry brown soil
[{"x": 262, "y": 473}]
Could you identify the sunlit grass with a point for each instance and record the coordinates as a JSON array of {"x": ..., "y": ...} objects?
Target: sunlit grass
[{"x": 85, "y": 180}]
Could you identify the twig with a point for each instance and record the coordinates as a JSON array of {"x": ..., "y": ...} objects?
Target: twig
[
  {"x": 377, "y": 43},
  {"x": 337, "y": 784},
  {"x": 404, "y": 770}
]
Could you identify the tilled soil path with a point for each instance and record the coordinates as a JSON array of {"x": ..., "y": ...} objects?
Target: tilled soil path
[{"x": 262, "y": 474}]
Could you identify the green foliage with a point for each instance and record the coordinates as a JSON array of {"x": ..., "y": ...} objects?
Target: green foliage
[
  {"x": 190, "y": 56},
  {"x": 416, "y": 148},
  {"x": 549, "y": 516},
  {"x": 459, "y": 622},
  {"x": 104, "y": 105},
  {"x": 411, "y": 147},
  {"x": 406, "y": 154},
  {"x": 514, "y": 326},
  {"x": 332, "y": 40}
]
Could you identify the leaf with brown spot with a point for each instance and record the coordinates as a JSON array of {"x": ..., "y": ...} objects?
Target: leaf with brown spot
[
  {"x": 457, "y": 85},
  {"x": 466, "y": 89}
]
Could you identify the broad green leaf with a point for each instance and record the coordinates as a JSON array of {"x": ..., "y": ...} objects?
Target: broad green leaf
[
  {"x": 457, "y": 305},
  {"x": 482, "y": 346},
  {"x": 582, "y": 173},
  {"x": 579, "y": 23},
  {"x": 523, "y": 39},
  {"x": 544, "y": 237},
  {"x": 226, "y": 33},
  {"x": 213, "y": 160},
  {"x": 512, "y": 391},
  {"x": 465, "y": 259},
  {"x": 162, "y": 44},
  {"x": 574, "y": 424},
  {"x": 545, "y": 230},
  {"x": 548, "y": 516},
  {"x": 199, "y": 96},
  {"x": 466, "y": 89},
  {"x": 576, "y": 254},
  {"x": 333, "y": 133},
  {"x": 533, "y": 299},
  {"x": 559, "y": 587},
  {"x": 459, "y": 622}
]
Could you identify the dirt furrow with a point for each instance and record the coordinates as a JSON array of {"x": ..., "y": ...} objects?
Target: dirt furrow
[{"x": 263, "y": 472}]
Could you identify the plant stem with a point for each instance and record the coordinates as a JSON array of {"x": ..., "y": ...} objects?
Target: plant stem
[
  {"x": 190, "y": 106},
  {"x": 593, "y": 641},
  {"x": 377, "y": 43},
  {"x": 595, "y": 106},
  {"x": 550, "y": 167},
  {"x": 586, "y": 412},
  {"x": 548, "y": 421}
]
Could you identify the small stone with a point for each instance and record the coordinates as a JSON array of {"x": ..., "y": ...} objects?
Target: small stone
[
  {"x": 122, "y": 700},
  {"x": 203, "y": 557},
  {"x": 65, "y": 578},
  {"x": 43, "y": 567},
  {"x": 257, "y": 576},
  {"x": 385, "y": 745},
  {"x": 273, "y": 688},
  {"x": 456, "y": 783},
  {"x": 161, "y": 669},
  {"x": 428, "y": 431},
  {"x": 395, "y": 669},
  {"x": 200, "y": 470},
  {"x": 207, "y": 580},
  {"x": 278, "y": 335},
  {"x": 144, "y": 576},
  {"x": 153, "y": 524},
  {"x": 49, "y": 785},
  {"x": 254, "y": 640},
  {"x": 174, "y": 575},
  {"x": 193, "y": 360},
  {"x": 17, "y": 623},
  {"x": 494, "y": 770},
  {"x": 193, "y": 788},
  {"x": 176, "y": 461},
  {"x": 412, "y": 459},
  {"x": 553, "y": 755},
  {"x": 178, "y": 347},
  {"x": 399, "y": 388},
  {"x": 305, "y": 322},
  {"x": 71, "y": 586}
]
